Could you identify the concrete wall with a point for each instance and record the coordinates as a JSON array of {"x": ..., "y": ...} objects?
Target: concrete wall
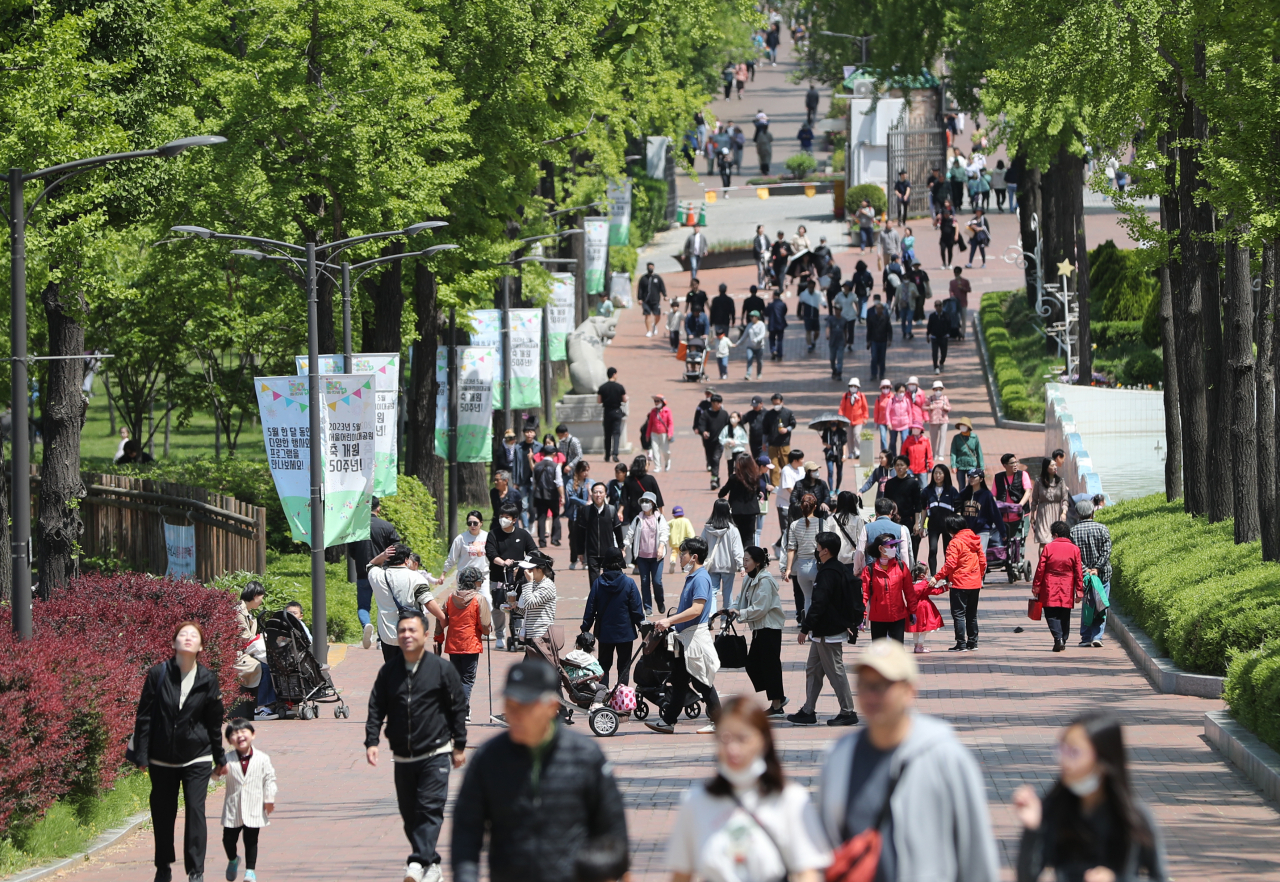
[{"x": 1113, "y": 438}]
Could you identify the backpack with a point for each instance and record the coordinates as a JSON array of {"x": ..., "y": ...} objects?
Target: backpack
[{"x": 544, "y": 479}]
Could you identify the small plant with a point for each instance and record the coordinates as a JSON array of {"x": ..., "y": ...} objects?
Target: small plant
[
  {"x": 801, "y": 165},
  {"x": 873, "y": 193}
]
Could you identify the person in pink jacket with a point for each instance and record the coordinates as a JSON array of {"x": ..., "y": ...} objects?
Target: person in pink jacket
[
  {"x": 918, "y": 399},
  {"x": 882, "y": 412},
  {"x": 901, "y": 413},
  {"x": 938, "y": 414},
  {"x": 662, "y": 429}
]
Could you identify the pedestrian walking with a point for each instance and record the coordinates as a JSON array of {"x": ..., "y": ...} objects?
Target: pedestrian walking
[
  {"x": 946, "y": 221},
  {"x": 923, "y": 617},
  {"x": 646, "y": 542},
  {"x": 468, "y": 619},
  {"x": 540, "y": 791},
  {"x": 788, "y": 477},
  {"x": 760, "y": 244},
  {"x": 1012, "y": 177},
  {"x": 695, "y": 248},
  {"x": 890, "y": 244},
  {"x": 907, "y": 777},
  {"x": 754, "y": 338},
  {"x": 612, "y": 395},
  {"x": 772, "y": 41},
  {"x": 940, "y": 500},
  {"x": 964, "y": 568},
  {"x": 467, "y": 548},
  {"x": 661, "y": 428},
  {"x": 1049, "y": 501},
  {"x": 710, "y": 423},
  {"x": 919, "y": 453},
  {"x": 999, "y": 184},
  {"x": 577, "y": 496},
  {"x": 651, "y": 290},
  {"x": 754, "y": 421},
  {"x": 740, "y": 75},
  {"x": 800, "y": 539},
  {"x": 902, "y": 196},
  {"x": 1059, "y": 582},
  {"x": 728, "y": 74},
  {"x": 759, "y": 605},
  {"x": 504, "y": 546},
  {"x": 381, "y": 534},
  {"x": 780, "y": 253},
  {"x": 1094, "y": 541},
  {"x": 979, "y": 236},
  {"x": 886, "y": 589},
  {"x": 978, "y": 505},
  {"x": 601, "y": 530},
  {"x": 250, "y": 799},
  {"x": 614, "y": 606},
  {"x": 836, "y": 607},
  {"x": 548, "y": 496},
  {"x": 900, "y": 412},
  {"x": 853, "y": 407},
  {"x": 966, "y": 449},
  {"x": 1089, "y": 826},
  {"x": 776, "y": 320},
  {"x": 938, "y": 333},
  {"x": 695, "y": 663},
  {"x": 724, "y": 551},
  {"x": 570, "y": 447},
  {"x": 811, "y": 101},
  {"x": 639, "y": 482},
  {"x": 835, "y": 322},
  {"x": 397, "y": 586},
  {"x": 937, "y": 412},
  {"x": 681, "y": 528},
  {"x": 724, "y": 162},
  {"x": 675, "y": 321},
  {"x": 742, "y": 491},
  {"x": 866, "y": 217},
  {"x": 879, "y": 333},
  {"x": 778, "y": 425},
  {"x": 420, "y": 699},
  {"x": 834, "y": 439}
]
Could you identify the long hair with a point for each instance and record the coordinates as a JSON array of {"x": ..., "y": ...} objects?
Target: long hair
[
  {"x": 639, "y": 467},
  {"x": 946, "y": 476},
  {"x": 1062, "y": 807},
  {"x": 750, "y": 712},
  {"x": 721, "y": 515},
  {"x": 1047, "y": 477},
  {"x": 745, "y": 468},
  {"x": 848, "y": 503}
]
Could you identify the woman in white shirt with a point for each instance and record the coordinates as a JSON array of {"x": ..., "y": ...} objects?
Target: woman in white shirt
[
  {"x": 733, "y": 437},
  {"x": 747, "y": 824},
  {"x": 468, "y": 549}
]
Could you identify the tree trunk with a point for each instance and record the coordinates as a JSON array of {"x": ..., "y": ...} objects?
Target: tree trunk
[
  {"x": 6, "y": 558},
  {"x": 1191, "y": 368},
  {"x": 1084, "y": 340},
  {"x": 58, "y": 525},
  {"x": 473, "y": 483},
  {"x": 1169, "y": 277},
  {"x": 427, "y": 466},
  {"x": 1265, "y": 388},
  {"x": 1241, "y": 414},
  {"x": 1029, "y": 205},
  {"x": 387, "y": 296}
]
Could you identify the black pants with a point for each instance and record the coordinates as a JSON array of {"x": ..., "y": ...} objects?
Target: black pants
[
  {"x": 229, "y": 837},
  {"x": 680, "y": 683},
  {"x": 775, "y": 344},
  {"x": 939, "y": 345},
  {"x": 624, "y": 651},
  {"x": 421, "y": 790},
  {"x": 576, "y": 542},
  {"x": 391, "y": 652},
  {"x": 894, "y": 630},
  {"x": 595, "y": 566},
  {"x": 612, "y": 433},
  {"x": 764, "y": 662},
  {"x": 194, "y": 781},
  {"x": 714, "y": 450},
  {"x": 1059, "y": 620},
  {"x": 934, "y": 538},
  {"x": 746, "y": 524},
  {"x": 902, "y": 212},
  {"x": 964, "y": 614},
  {"x": 957, "y": 194},
  {"x": 543, "y": 509}
]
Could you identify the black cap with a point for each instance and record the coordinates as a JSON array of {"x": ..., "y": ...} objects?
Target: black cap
[
  {"x": 530, "y": 680},
  {"x": 756, "y": 399}
]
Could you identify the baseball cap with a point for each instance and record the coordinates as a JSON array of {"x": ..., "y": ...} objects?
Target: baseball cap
[
  {"x": 977, "y": 473},
  {"x": 810, "y": 466},
  {"x": 854, "y": 381},
  {"x": 756, "y": 399},
  {"x": 530, "y": 681},
  {"x": 678, "y": 511},
  {"x": 888, "y": 658},
  {"x": 763, "y": 459}
]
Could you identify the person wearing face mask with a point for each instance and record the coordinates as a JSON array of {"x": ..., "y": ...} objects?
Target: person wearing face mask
[
  {"x": 733, "y": 437},
  {"x": 601, "y": 530},
  {"x": 504, "y": 546},
  {"x": 918, "y": 399},
  {"x": 966, "y": 449},
  {"x": 646, "y": 543},
  {"x": 467, "y": 548},
  {"x": 614, "y": 610},
  {"x": 802, "y": 553},
  {"x": 778, "y": 425},
  {"x": 759, "y": 604},
  {"x": 695, "y": 663},
  {"x": 634, "y": 487},
  {"x": 886, "y": 589},
  {"x": 1089, "y": 827},
  {"x": 835, "y": 608},
  {"x": 747, "y": 823},
  {"x": 965, "y": 568},
  {"x": 711, "y": 423},
  {"x": 724, "y": 551},
  {"x": 744, "y": 494}
]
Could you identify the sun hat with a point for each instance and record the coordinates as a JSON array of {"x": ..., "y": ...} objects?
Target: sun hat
[
  {"x": 937, "y": 384},
  {"x": 854, "y": 381}
]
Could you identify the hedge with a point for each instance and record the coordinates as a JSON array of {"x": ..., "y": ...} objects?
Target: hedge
[
  {"x": 1212, "y": 605},
  {"x": 68, "y": 697},
  {"x": 1117, "y": 333},
  {"x": 1009, "y": 379},
  {"x": 873, "y": 193}
]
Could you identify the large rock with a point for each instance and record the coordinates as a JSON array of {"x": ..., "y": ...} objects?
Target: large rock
[{"x": 585, "y": 350}]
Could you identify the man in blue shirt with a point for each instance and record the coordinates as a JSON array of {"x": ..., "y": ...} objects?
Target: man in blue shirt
[{"x": 695, "y": 663}]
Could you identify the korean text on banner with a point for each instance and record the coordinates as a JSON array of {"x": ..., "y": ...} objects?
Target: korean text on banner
[
  {"x": 619, "y": 196},
  {"x": 597, "y": 248},
  {"x": 560, "y": 315},
  {"x": 385, "y": 367},
  {"x": 442, "y": 402},
  {"x": 526, "y": 353},
  {"x": 347, "y": 424},
  {"x": 477, "y": 367},
  {"x": 180, "y": 545}
]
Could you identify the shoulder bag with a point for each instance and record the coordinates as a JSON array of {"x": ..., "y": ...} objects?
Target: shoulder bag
[
  {"x": 731, "y": 647},
  {"x": 786, "y": 872},
  {"x": 857, "y": 858}
]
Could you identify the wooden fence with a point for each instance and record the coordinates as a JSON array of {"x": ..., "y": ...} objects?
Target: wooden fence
[{"x": 124, "y": 520}]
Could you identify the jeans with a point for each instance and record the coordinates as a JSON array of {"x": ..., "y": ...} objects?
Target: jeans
[
  {"x": 1058, "y": 618},
  {"x": 878, "y": 351},
  {"x": 805, "y": 572},
  {"x": 421, "y": 790},
  {"x": 974, "y": 247},
  {"x": 893, "y": 630},
  {"x": 939, "y": 347},
  {"x": 895, "y": 436},
  {"x": 693, "y": 258},
  {"x": 1097, "y": 626},
  {"x": 466, "y": 663},
  {"x": 775, "y": 343},
  {"x": 884, "y": 435},
  {"x": 835, "y": 349},
  {"x": 905, "y": 311},
  {"x": 612, "y": 433},
  {"x": 964, "y": 615},
  {"x": 826, "y": 661},
  {"x": 762, "y": 265},
  {"x": 266, "y": 688},
  {"x": 624, "y": 651},
  {"x": 364, "y": 600},
  {"x": 1012, "y": 190},
  {"x": 723, "y": 363},
  {"x": 835, "y": 473},
  {"x": 902, "y": 212},
  {"x": 756, "y": 355},
  {"x": 764, "y": 662},
  {"x": 680, "y": 683},
  {"x": 985, "y": 538},
  {"x": 864, "y": 237},
  {"x": 723, "y": 582},
  {"x": 194, "y": 781},
  {"x": 650, "y": 569}
]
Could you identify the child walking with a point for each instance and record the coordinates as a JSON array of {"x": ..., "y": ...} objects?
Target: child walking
[
  {"x": 923, "y": 615},
  {"x": 675, "y": 321},
  {"x": 681, "y": 529},
  {"x": 251, "y": 797}
]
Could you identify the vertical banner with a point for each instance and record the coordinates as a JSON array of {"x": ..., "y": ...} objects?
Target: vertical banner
[
  {"x": 477, "y": 367},
  {"x": 180, "y": 545},
  {"x": 596, "y": 246},
  {"x": 385, "y": 367},
  {"x": 619, "y": 196},
  {"x": 442, "y": 402},
  {"x": 348, "y": 414},
  {"x": 560, "y": 315},
  {"x": 526, "y": 354}
]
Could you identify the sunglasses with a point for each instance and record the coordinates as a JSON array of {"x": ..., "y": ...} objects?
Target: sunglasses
[{"x": 473, "y": 523}]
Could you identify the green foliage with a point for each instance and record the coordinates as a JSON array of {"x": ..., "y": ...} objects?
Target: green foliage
[
  {"x": 873, "y": 193},
  {"x": 1151, "y": 323},
  {"x": 288, "y": 578},
  {"x": 1010, "y": 380},
  {"x": 622, "y": 259},
  {"x": 1120, "y": 287},
  {"x": 648, "y": 208},
  {"x": 1143, "y": 368},
  {"x": 837, "y": 159},
  {"x": 1116, "y": 333},
  {"x": 801, "y": 165},
  {"x": 1222, "y": 619},
  {"x": 413, "y": 512}
]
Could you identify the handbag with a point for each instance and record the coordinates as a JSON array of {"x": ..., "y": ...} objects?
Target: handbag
[
  {"x": 857, "y": 858},
  {"x": 731, "y": 647},
  {"x": 1034, "y": 609}
]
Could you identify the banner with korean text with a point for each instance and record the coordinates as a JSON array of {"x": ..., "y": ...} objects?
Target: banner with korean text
[
  {"x": 560, "y": 315},
  {"x": 385, "y": 367},
  {"x": 526, "y": 353}
]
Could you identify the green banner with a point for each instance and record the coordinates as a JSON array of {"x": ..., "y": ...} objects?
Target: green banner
[
  {"x": 619, "y": 196},
  {"x": 385, "y": 367},
  {"x": 597, "y": 251},
  {"x": 560, "y": 315}
]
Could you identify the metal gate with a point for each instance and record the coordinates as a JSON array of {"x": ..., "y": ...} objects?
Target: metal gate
[{"x": 918, "y": 151}]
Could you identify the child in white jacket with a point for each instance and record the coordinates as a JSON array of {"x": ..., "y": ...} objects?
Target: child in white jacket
[{"x": 251, "y": 797}]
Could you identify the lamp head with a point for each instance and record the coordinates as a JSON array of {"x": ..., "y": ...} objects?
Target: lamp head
[
  {"x": 202, "y": 232},
  {"x": 173, "y": 148},
  {"x": 415, "y": 229},
  {"x": 434, "y": 249},
  {"x": 248, "y": 252}
]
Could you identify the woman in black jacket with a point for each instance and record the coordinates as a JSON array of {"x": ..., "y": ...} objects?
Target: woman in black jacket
[
  {"x": 743, "y": 490},
  {"x": 940, "y": 500},
  {"x": 176, "y": 738},
  {"x": 978, "y": 505},
  {"x": 638, "y": 483}
]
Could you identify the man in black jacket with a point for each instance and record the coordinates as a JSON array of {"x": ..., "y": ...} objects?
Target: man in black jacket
[
  {"x": 421, "y": 700},
  {"x": 541, "y": 792},
  {"x": 811, "y": 483},
  {"x": 904, "y": 489},
  {"x": 753, "y": 303},
  {"x": 879, "y": 333},
  {"x": 754, "y": 420},
  {"x": 723, "y": 310},
  {"x": 507, "y": 543},
  {"x": 711, "y": 422},
  {"x": 381, "y": 534},
  {"x": 651, "y": 291},
  {"x": 938, "y": 332},
  {"x": 778, "y": 424},
  {"x": 601, "y": 531},
  {"x": 835, "y": 608}
]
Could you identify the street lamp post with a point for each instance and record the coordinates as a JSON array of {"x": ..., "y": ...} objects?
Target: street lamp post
[
  {"x": 306, "y": 256},
  {"x": 18, "y": 217}
]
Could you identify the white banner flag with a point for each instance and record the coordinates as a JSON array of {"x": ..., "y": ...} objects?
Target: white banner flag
[
  {"x": 597, "y": 251},
  {"x": 385, "y": 367},
  {"x": 180, "y": 545},
  {"x": 560, "y": 315},
  {"x": 526, "y": 353}
]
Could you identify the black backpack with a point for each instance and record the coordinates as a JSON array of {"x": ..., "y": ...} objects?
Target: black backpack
[{"x": 544, "y": 479}]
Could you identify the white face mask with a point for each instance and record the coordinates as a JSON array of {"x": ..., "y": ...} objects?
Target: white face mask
[
  {"x": 912, "y": 389},
  {"x": 687, "y": 568},
  {"x": 777, "y": 407},
  {"x": 505, "y": 522},
  {"x": 1086, "y": 785},
  {"x": 733, "y": 421},
  {"x": 646, "y": 506},
  {"x": 742, "y": 778}
]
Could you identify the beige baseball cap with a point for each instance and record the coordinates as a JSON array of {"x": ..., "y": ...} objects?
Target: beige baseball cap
[
  {"x": 890, "y": 660},
  {"x": 810, "y": 466}
]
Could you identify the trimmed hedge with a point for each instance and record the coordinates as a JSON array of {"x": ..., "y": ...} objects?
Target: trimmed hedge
[
  {"x": 1009, "y": 379},
  {"x": 1117, "y": 333},
  {"x": 1120, "y": 288},
  {"x": 873, "y": 193},
  {"x": 1214, "y": 606}
]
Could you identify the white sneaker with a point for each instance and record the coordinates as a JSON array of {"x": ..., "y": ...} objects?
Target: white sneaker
[
  {"x": 500, "y": 644},
  {"x": 366, "y": 639},
  {"x": 413, "y": 872},
  {"x": 708, "y": 729},
  {"x": 433, "y": 874}
]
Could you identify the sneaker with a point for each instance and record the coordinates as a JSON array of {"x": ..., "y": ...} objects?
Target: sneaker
[
  {"x": 164, "y": 874},
  {"x": 500, "y": 719},
  {"x": 1097, "y": 644},
  {"x": 803, "y": 718},
  {"x": 848, "y": 719},
  {"x": 959, "y": 647},
  {"x": 195, "y": 877},
  {"x": 920, "y": 648},
  {"x": 648, "y": 611},
  {"x": 264, "y": 714},
  {"x": 661, "y": 728},
  {"x": 366, "y": 639},
  {"x": 250, "y": 876},
  {"x": 500, "y": 644},
  {"x": 772, "y": 711},
  {"x": 233, "y": 868},
  {"x": 708, "y": 729},
  {"x": 433, "y": 874},
  {"x": 413, "y": 872},
  {"x": 668, "y": 468},
  {"x": 573, "y": 564}
]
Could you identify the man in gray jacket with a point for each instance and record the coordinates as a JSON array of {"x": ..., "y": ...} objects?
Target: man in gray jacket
[{"x": 907, "y": 774}]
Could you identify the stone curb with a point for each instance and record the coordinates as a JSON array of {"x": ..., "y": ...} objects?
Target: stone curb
[
  {"x": 1163, "y": 673},
  {"x": 109, "y": 838},
  {"x": 993, "y": 394},
  {"x": 1260, "y": 763}
]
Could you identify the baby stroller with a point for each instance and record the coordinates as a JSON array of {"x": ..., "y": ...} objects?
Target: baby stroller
[
  {"x": 653, "y": 673},
  {"x": 299, "y": 680},
  {"x": 997, "y": 553},
  {"x": 515, "y": 616},
  {"x": 1015, "y": 526},
  {"x": 588, "y": 694},
  {"x": 695, "y": 359}
]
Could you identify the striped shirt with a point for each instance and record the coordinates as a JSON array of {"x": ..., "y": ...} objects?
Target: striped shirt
[
  {"x": 538, "y": 601},
  {"x": 800, "y": 536},
  {"x": 1094, "y": 541}
]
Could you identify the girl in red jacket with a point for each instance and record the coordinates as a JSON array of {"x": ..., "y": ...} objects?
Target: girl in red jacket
[
  {"x": 1059, "y": 582},
  {"x": 924, "y": 616},
  {"x": 886, "y": 589}
]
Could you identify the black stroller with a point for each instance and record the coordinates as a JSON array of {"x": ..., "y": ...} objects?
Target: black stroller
[
  {"x": 695, "y": 359},
  {"x": 589, "y": 694},
  {"x": 299, "y": 680},
  {"x": 515, "y": 616},
  {"x": 652, "y": 675}
]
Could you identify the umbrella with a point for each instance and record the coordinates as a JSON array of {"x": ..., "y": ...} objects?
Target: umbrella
[{"x": 829, "y": 417}]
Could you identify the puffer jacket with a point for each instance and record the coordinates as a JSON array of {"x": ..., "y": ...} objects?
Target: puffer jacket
[
  {"x": 919, "y": 451},
  {"x": 882, "y": 408},
  {"x": 466, "y": 622},
  {"x": 724, "y": 546},
  {"x": 965, "y": 565},
  {"x": 536, "y": 824},
  {"x": 1059, "y": 579},
  {"x": 886, "y": 593},
  {"x": 613, "y": 608},
  {"x": 854, "y": 408},
  {"x": 176, "y": 735},
  {"x": 900, "y": 413}
]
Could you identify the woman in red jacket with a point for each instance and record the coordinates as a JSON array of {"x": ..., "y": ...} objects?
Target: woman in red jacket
[
  {"x": 919, "y": 453},
  {"x": 886, "y": 589},
  {"x": 853, "y": 407},
  {"x": 1059, "y": 582},
  {"x": 965, "y": 568}
]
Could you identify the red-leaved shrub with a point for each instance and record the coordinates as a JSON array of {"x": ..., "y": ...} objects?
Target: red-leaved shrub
[{"x": 68, "y": 698}]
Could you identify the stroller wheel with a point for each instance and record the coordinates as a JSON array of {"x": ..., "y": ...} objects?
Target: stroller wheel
[
  {"x": 603, "y": 722},
  {"x": 693, "y": 710},
  {"x": 342, "y": 712},
  {"x": 642, "y": 710},
  {"x": 306, "y": 712}
]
